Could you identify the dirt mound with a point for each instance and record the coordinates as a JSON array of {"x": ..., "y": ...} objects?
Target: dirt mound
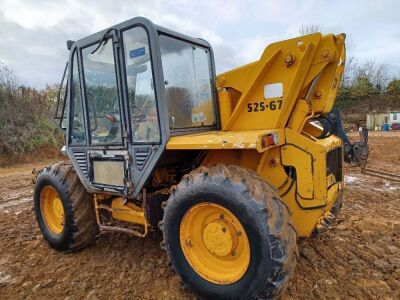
[{"x": 358, "y": 258}]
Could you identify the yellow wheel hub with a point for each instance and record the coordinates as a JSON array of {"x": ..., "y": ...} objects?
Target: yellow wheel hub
[
  {"x": 218, "y": 239},
  {"x": 52, "y": 209},
  {"x": 215, "y": 243}
]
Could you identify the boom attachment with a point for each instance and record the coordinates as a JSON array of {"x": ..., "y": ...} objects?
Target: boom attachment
[{"x": 355, "y": 153}]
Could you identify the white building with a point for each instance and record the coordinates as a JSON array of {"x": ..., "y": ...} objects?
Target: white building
[
  {"x": 394, "y": 117},
  {"x": 375, "y": 121}
]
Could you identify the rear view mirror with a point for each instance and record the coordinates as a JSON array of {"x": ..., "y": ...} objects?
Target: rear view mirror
[{"x": 69, "y": 44}]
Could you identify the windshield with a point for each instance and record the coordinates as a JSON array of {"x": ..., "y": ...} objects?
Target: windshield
[
  {"x": 188, "y": 86},
  {"x": 102, "y": 95}
]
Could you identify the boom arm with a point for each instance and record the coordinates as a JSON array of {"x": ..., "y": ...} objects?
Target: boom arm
[{"x": 294, "y": 80}]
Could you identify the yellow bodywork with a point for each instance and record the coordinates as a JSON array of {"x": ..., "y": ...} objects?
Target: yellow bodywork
[
  {"x": 213, "y": 140},
  {"x": 121, "y": 210},
  {"x": 128, "y": 212},
  {"x": 294, "y": 81}
]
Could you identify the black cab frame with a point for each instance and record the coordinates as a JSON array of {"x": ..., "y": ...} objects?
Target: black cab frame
[{"x": 128, "y": 89}]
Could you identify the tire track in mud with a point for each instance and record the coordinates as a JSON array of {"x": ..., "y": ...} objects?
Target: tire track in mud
[
  {"x": 16, "y": 191},
  {"x": 16, "y": 187}
]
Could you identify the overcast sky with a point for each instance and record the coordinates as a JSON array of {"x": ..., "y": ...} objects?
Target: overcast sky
[{"x": 33, "y": 32}]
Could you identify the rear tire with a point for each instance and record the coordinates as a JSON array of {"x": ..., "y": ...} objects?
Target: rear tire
[
  {"x": 265, "y": 219},
  {"x": 79, "y": 227}
]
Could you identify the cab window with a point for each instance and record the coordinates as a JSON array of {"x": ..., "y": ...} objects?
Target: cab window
[
  {"x": 139, "y": 76},
  {"x": 61, "y": 111},
  {"x": 102, "y": 94},
  {"x": 187, "y": 75},
  {"x": 78, "y": 136}
]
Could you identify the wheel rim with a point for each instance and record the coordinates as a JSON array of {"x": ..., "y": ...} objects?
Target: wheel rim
[
  {"x": 215, "y": 243},
  {"x": 52, "y": 209}
]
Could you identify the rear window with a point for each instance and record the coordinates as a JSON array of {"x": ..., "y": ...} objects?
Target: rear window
[{"x": 188, "y": 86}]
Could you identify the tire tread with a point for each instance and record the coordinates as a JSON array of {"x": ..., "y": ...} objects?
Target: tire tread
[
  {"x": 80, "y": 212},
  {"x": 282, "y": 235}
]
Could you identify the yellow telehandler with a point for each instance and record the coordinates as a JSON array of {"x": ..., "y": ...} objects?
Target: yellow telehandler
[{"x": 231, "y": 168}]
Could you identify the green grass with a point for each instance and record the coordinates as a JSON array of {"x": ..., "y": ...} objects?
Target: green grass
[
  {"x": 45, "y": 124},
  {"x": 37, "y": 141}
]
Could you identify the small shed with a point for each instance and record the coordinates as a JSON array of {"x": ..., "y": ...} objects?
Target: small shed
[
  {"x": 394, "y": 117},
  {"x": 376, "y": 120}
]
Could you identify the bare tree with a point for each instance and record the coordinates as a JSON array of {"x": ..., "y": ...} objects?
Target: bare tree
[
  {"x": 350, "y": 68},
  {"x": 367, "y": 69},
  {"x": 8, "y": 80},
  {"x": 308, "y": 29},
  {"x": 377, "y": 74},
  {"x": 381, "y": 77}
]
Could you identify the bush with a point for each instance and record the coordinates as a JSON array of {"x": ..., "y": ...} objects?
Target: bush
[
  {"x": 26, "y": 124},
  {"x": 393, "y": 87},
  {"x": 362, "y": 88}
]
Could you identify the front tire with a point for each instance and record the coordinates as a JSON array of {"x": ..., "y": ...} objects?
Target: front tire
[
  {"x": 231, "y": 199},
  {"x": 64, "y": 209}
]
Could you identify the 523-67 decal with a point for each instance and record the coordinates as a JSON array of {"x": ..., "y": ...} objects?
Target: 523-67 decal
[{"x": 262, "y": 106}]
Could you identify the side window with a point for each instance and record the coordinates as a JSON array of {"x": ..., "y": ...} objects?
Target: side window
[
  {"x": 142, "y": 100},
  {"x": 78, "y": 136},
  {"x": 187, "y": 74},
  {"x": 61, "y": 112},
  {"x": 102, "y": 94},
  {"x": 64, "y": 103}
]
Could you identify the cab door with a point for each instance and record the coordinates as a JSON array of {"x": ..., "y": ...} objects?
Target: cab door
[
  {"x": 107, "y": 154},
  {"x": 142, "y": 108}
]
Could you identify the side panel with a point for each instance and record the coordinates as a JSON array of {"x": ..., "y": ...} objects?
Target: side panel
[
  {"x": 301, "y": 170},
  {"x": 302, "y": 161}
]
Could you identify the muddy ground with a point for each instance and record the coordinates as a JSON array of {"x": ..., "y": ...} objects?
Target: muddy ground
[{"x": 358, "y": 258}]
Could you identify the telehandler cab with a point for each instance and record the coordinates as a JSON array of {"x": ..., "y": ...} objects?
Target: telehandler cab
[{"x": 231, "y": 168}]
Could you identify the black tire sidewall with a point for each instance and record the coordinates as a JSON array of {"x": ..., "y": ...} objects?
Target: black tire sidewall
[
  {"x": 253, "y": 219},
  {"x": 58, "y": 241}
]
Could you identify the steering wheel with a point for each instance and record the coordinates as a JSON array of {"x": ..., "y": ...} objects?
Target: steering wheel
[{"x": 114, "y": 127}]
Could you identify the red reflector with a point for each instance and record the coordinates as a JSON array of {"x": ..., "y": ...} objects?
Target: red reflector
[
  {"x": 271, "y": 140},
  {"x": 268, "y": 140}
]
